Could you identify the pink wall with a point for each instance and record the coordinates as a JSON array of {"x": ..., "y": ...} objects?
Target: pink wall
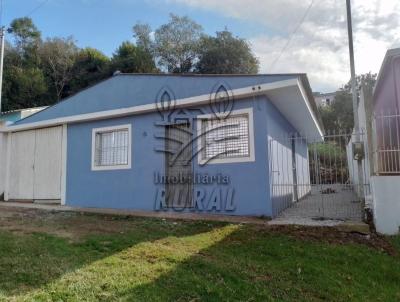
[
  {"x": 386, "y": 96},
  {"x": 387, "y": 124}
]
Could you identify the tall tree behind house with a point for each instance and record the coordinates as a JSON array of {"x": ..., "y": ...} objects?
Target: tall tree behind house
[{"x": 40, "y": 72}]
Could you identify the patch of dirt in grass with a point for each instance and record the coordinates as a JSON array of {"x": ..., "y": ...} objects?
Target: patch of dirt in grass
[
  {"x": 30, "y": 229},
  {"x": 70, "y": 225},
  {"x": 334, "y": 236},
  {"x": 75, "y": 226}
]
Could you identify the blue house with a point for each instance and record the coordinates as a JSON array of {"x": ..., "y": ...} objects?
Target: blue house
[{"x": 155, "y": 142}]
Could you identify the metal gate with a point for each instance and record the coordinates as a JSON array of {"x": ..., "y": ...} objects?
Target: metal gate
[
  {"x": 178, "y": 165},
  {"x": 318, "y": 178}
]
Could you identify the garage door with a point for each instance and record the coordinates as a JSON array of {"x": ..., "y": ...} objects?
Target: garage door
[
  {"x": 21, "y": 165},
  {"x": 35, "y": 164}
]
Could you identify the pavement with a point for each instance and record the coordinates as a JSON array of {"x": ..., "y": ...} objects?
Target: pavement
[{"x": 326, "y": 205}]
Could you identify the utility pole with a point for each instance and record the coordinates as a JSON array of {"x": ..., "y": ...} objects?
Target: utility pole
[
  {"x": 2, "y": 34},
  {"x": 355, "y": 98},
  {"x": 352, "y": 66}
]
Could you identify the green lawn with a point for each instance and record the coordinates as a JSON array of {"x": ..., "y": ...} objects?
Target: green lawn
[{"x": 157, "y": 260}]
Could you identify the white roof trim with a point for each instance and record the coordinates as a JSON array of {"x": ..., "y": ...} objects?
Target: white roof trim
[
  {"x": 314, "y": 117},
  {"x": 181, "y": 103}
]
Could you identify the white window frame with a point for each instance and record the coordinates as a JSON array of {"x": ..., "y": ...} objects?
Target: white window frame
[
  {"x": 239, "y": 159},
  {"x": 109, "y": 129}
]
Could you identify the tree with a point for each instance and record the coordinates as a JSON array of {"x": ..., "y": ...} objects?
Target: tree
[
  {"x": 130, "y": 58},
  {"x": 58, "y": 56},
  {"x": 339, "y": 115},
  {"x": 11, "y": 56},
  {"x": 24, "y": 88},
  {"x": 27, "y": 39},
  {"x": 41, "y": 73},
  {"x": 177, "y": 44},
  {"x": 367, "y": 79},
  {"x": 226, "y": 54},
  {"x": 24, "y": 31},
  {"x": 90, "y": 67},
  {"x": 142, "y": 34},
  {"x": 23, "y": 83}
]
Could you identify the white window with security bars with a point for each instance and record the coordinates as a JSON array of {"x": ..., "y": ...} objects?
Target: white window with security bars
[
  {"x": 226, "y": 140},
  {"x": 111, "y": 148}
]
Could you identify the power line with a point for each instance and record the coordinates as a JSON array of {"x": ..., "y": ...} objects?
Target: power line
[
  {"x": 36, "y": 8},
  {"x": 30, "y": 13},
  {"x": 292, "y": 34}
]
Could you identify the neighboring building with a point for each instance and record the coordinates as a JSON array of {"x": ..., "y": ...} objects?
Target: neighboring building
[
  {"x": 386, "y": 145},
  {"x": 380, "y": 128},
  {"x": 152, "y": 142},
  {"x": 16, "y": 115},
  {"x": 324, "y": 99},
  {"x": 387, "y": 89}
]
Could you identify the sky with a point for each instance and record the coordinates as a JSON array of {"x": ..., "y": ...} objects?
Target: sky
[{"x": 283, "y": 43}]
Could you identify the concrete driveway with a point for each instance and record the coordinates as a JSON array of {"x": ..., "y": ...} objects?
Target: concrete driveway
[{"x": 326, "y": 205}]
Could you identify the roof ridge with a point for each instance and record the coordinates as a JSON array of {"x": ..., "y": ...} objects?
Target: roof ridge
[{"x": 207, "y": 75}]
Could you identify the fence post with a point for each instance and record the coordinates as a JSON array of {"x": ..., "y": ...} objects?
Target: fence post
[{"x": 366, "y": 95}]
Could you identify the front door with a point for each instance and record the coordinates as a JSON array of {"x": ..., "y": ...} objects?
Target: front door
[{"x": 179, "y": 169}]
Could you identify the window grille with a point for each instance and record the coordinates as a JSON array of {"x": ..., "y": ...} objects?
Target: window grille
[
  {"x": 386, "y": 143},
  {"x": 225, "y": 138},
  {"x": 112, "y": 148}
]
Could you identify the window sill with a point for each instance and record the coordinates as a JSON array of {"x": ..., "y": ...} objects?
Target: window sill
[
  {"x": 232, "y": 160},
  {"x": 111, "y": 168}
]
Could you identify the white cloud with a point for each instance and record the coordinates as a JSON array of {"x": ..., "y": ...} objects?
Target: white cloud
[{"x": 320, "y": 46}]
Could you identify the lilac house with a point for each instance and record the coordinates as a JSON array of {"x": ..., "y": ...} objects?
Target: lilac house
[{"x": 379, "y": 112}]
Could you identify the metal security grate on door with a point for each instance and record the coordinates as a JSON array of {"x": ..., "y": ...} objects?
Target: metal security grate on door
[{"x": 178, "y": 165}]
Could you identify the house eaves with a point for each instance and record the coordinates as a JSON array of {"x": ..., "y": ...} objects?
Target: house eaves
[{"x": 290, "y": 96}]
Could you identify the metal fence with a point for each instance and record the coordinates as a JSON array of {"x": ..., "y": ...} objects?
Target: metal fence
[
  {"x": 318, "y": 178},
  {"x": 386, "y": 141}
]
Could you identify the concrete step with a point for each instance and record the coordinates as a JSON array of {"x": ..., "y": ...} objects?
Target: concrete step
[{"x": 354, "y": 227}]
